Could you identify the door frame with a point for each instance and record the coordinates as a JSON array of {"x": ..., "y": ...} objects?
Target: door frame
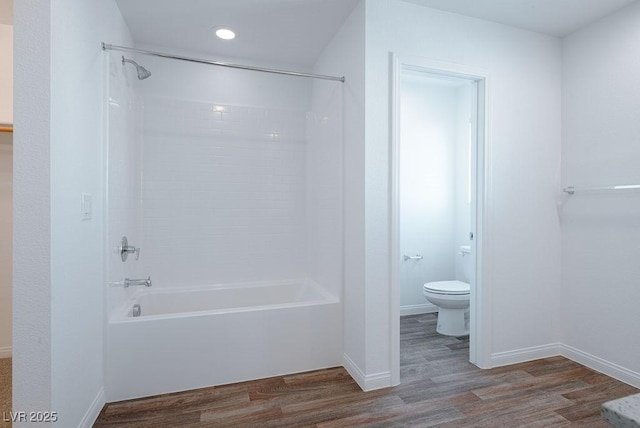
[{"x": 480, "y": 298}]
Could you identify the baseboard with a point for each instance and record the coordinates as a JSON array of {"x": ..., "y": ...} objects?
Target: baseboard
[
  {"x": 425, "y": 308},
  {"x": 600, "y": 365},
  {"x": 6, "y": 352},
  {"x": 94, "y": 410},
  {"x": 553, "y": 349},
  {"x": 525, "y": 354},
  {"x": 366, "y": 382}
]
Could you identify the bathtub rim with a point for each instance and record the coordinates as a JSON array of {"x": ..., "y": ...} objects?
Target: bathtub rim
[{"x": 121, "y": 313}]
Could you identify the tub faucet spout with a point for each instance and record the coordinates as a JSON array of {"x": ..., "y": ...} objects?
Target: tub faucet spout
[{"x": 144, "y": 281}]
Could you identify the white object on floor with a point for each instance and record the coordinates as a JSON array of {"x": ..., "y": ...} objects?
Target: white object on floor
[{"x": 452, "y": 300}]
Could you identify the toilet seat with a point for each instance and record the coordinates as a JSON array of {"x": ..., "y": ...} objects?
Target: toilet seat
[{"x": 451, "y": 288}]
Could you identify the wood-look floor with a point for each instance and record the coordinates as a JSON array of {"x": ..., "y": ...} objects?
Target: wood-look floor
[
  {"x": 5, "y": 392},
  {"x": 439, "y": 388}
]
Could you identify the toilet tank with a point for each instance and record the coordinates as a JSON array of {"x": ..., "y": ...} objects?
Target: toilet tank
[{"x": 465, "y": 253}]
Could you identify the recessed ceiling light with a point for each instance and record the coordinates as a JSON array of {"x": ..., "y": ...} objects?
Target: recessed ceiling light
[{"x": 225, "y": 33}]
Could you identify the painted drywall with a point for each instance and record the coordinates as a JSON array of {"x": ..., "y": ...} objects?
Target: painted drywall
[
  {"x": 462, "y": 178},
  {"x": 429, "y": 167},
  {"x": 6, "y": 74},
  {"x": 344, "y": 56},
  {"x": 58, "y": 154},
  {"x": 32, "y": 368},
  {"x": 522, "y": 261},
  {"x": 600, "y": 233},
  {"x": 78, "y": 109},
  {"x": 6, "y": 231}
]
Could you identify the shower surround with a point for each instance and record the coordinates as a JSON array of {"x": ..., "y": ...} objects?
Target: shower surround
[
  {"x": 229, "y": 182},
  {"x": 225, "y": 179}
]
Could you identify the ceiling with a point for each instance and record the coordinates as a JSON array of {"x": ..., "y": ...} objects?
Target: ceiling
[
  {"x": 554, "y": 17},
  {"x": 6, "y": 12},
  {"x": 273, "y": 31},
  {"x": 295, "y": 31}
]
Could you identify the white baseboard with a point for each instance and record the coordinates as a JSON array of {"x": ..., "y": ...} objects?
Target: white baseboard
[
  {"x": 600, "y": 365},
  {"x": 425, "y": 308},
  {"x": 553, "y": 349},
  {"x": 525, "y": 354},
  {"x": 366, "y": 382},
  {"x": 6, "y": 352},
  {"x": 94, "y": 410}
]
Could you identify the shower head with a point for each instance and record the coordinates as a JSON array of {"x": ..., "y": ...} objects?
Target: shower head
[{"x": 143, "y": 73}]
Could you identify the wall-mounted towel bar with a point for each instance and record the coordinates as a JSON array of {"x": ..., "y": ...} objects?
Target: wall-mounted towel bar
[{"x": 571, "y": 189}]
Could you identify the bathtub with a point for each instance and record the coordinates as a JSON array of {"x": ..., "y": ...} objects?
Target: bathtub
[{"x": 193, "y": 337}]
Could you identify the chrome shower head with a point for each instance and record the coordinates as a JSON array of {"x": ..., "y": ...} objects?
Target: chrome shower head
[{"x": 143, "y": 73}]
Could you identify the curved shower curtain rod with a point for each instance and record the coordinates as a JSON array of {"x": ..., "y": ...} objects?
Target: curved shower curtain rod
[{"x": 106, "y": 46}]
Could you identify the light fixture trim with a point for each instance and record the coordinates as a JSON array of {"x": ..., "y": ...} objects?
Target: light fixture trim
[{"x": 225, "y": 33}]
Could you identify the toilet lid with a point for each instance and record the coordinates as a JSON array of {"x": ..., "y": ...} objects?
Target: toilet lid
[{"x": 447, "y": 287}]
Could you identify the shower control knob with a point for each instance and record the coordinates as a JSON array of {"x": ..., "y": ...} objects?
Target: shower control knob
[{"x": 126, "y": 249}]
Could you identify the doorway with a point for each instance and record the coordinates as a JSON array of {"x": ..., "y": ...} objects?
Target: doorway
[{"x": 439, "y": 199}]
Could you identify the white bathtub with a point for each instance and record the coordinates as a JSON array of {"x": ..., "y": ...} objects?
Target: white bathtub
[{"x": 189, "y": 338}]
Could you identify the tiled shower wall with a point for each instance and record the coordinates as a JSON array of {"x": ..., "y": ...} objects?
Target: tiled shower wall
[
  {"x": 223, "y": 192},
  {"x": 324, "y": 185},
  {"x": 223, "y": 176}
]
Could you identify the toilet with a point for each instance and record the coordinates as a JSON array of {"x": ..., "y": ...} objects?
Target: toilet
[{"x": 452, "y": 300}]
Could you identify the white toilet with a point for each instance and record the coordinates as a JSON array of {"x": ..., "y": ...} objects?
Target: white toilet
[{"x": 452, "y": 300}]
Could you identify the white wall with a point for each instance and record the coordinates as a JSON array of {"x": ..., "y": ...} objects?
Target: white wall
[
  {"x": 239, "y": 178},
  {"x": 193, "y": 169},
  {"x": 600, "y": 233},
  {"x": 522, "y": 262},
  {"x": 463, "y": 169},
  {"x": 32, "y": 371},
  {"x": 6, "y": 180},
  {"x": 78, "y": 108},
  {"x": 59, "y": 277},
  {"x": 6, "y": 74},
  {"x": 6, "y": 231},
  {"x": 324, "y": 185},
  {"x": 344, "y": 56},
  {"x": 427, "y": 180},
  {"x": 229, "y": 186}
]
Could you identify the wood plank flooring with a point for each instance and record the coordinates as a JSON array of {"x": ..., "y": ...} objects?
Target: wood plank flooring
[
  {"x": 439, "y": 388},
  {"x": 5, "y": 392}
]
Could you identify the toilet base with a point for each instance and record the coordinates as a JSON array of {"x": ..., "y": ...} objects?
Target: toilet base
[{"x": 453, "y": 322}]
